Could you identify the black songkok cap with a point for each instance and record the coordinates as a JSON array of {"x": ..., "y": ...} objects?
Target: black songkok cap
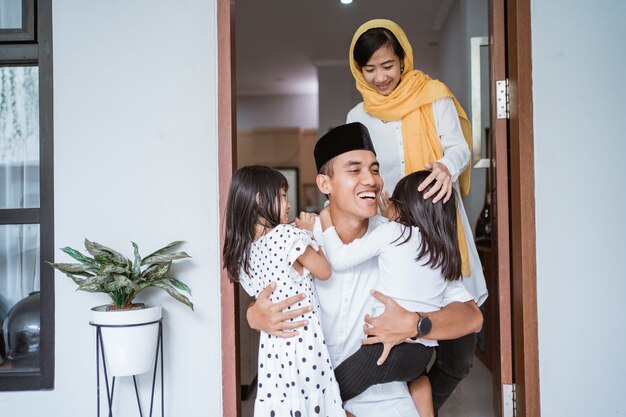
[{"x": 342, "y": 139}]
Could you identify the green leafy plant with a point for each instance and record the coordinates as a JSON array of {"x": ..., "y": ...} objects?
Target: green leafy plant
[{"x": 112, "y": 273}]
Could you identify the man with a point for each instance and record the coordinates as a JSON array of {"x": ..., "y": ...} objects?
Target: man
[{"x": 349, "y": 176}]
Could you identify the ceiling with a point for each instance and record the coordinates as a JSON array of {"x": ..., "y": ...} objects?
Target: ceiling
[{"x": 279, "y": 42}]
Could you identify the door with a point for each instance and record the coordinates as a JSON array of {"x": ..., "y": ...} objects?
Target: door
[{"x": 502, "y": 366}]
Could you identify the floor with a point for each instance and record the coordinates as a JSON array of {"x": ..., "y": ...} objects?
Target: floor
[{"x": 472, "y": 398}]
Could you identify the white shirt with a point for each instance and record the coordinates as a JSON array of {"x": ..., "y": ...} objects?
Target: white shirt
[
  {"x": 388, "y": 142},
  {"x": 344, "y": 301},
  {"x": 412, "y": 284}
]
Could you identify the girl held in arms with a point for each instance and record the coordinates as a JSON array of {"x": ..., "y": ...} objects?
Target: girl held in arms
[
  {"x": 295, "y": 377},
  {"x": 418, "y": 255}
]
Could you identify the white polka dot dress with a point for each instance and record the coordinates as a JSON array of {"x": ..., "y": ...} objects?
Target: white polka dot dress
[{"x": 296, "y": 377}]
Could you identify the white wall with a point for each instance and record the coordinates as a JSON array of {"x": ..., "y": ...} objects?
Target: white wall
[
  {"x": 337, "y": 94},
  {"x": 277, "y": 111},
  {"x": 135, "y": 159},
  {"x": 578, "y": 90}
]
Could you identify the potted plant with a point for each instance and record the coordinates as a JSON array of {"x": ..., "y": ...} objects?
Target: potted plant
[{"x": 130, "y": 349}]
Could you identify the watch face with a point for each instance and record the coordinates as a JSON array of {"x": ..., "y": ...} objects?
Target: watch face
[{"x": 424, "y": 326}]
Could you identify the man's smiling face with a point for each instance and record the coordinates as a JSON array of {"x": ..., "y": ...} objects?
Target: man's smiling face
[{"x": 355, "y": 184}]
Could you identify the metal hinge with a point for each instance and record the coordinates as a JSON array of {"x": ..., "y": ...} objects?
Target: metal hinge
[
  {"x": 502, "y": 99},
  {"x": 509, "y": 400}
]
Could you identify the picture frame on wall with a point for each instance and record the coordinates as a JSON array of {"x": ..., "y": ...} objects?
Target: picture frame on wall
[
  {"x": 291, "y": 173},
  {"x": 313, "y": 198}
]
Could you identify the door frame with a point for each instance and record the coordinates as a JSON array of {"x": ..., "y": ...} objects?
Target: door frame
[
  {"x": 522, "y": 204},
  {"x": 227, "y": 154}
]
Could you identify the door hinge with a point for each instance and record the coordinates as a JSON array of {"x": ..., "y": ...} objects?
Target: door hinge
[
  {"x": 509, "y": 400},
  {"x": 502, "y": 99}
]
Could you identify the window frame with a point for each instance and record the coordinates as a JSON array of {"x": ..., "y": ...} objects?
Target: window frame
[{"x": 15, "y": 52}]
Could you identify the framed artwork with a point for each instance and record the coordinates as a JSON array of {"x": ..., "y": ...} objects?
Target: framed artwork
[
  {"x": 313, "y": 198},
  {"x": 291, "y": 173}
]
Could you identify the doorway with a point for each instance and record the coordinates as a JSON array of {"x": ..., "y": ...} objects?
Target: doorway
[{"x": 330, "y": 66}]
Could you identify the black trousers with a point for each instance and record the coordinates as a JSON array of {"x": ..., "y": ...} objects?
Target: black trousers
[
  {"x": 454, "y": 361},
  {"x": 405, "y": 362}
]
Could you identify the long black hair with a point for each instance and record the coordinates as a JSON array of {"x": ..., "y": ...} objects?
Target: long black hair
[
  {"x": 371, "y": 41},
  {"x": 253, "y": 199},
  {"x": 436, "y": 223}
]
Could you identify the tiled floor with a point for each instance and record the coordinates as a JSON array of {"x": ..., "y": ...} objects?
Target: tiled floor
[{"x": 472, "y": 398}]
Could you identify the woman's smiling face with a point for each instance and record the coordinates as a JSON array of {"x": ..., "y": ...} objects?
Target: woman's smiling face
[{"x": 383, "y": 70}]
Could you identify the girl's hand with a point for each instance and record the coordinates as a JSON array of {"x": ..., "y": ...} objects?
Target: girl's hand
[
  {"x": 387, "y": 208},
  {"x": 325, "y": 219},
  {"x": 306, "y": 221},
  {"x": 443, "y": 182}
]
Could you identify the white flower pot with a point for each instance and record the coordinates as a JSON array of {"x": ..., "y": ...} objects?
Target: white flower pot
[{"x": 128, "y": 350}]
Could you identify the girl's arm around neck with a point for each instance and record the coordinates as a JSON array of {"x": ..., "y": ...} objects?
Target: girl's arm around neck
[{"x": 316, "y": 262}]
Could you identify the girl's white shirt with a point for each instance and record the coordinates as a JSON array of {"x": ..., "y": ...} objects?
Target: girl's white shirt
[
  {"x": 414, "y": 285},
  {"x": 344, "y": 300}
]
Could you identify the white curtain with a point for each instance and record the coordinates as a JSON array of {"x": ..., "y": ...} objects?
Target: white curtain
[{"x": 19, "y": 181}]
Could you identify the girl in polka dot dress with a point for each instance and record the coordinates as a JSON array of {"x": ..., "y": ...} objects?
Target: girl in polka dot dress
[{"x": 295, "y": 374}]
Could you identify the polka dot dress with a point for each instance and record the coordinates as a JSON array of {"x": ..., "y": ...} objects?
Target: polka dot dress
[{"x": 295, "y": 377}]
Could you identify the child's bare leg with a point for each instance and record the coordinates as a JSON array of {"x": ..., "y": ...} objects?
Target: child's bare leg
[
  {"x": 422, "y": 396},
  {"x": 349, "y": 414}
]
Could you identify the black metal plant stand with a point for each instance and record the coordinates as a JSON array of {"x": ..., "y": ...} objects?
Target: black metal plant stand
[{"x": 158, "y": 360}]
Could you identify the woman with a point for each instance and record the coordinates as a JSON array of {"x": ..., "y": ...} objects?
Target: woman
[{"x": 416, "y": 123}]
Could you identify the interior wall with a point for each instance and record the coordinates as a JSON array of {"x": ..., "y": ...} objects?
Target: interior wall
[
  {"x": 577, "y": 52},
  {"x": 135, "y": 159},
  {"x": 337, "y": 95},
  {"x": 466, "y": 19},
  {"x": 277, "y": 111}
]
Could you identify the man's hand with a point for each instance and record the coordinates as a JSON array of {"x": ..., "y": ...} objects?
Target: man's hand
[
  {"x": 443, "y": 182},
  {"x": 271, "y": 318},
  {"x": 306, "y": 220},
  {"x": 392, "y": 327}
]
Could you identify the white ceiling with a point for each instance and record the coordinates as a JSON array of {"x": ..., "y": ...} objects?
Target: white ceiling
[{"x": 278, "y": 42}]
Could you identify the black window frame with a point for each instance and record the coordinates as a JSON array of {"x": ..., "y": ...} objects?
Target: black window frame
[{"x": 32, "y": 45}]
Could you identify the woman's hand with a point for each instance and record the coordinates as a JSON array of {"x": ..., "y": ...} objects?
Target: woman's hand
[
  {"x": 306, "y": 220},
  {"x": 270, "y": 318},
  {"x": 390, "y": 328},
  {"x": 443, "y": 182}
]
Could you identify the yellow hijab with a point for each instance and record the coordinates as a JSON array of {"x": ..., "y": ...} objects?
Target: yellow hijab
[{"x": 411, "y": 102}]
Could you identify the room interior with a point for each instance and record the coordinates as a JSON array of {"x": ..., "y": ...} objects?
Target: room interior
[{"x": 302, "y": 87}]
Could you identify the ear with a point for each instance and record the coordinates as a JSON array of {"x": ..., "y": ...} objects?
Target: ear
[
  {"x": 257, "y": 199},
  {"x": 323, "y": 183}
]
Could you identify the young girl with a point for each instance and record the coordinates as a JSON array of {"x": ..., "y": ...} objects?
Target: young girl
[
  {"x": 295, "y": 375},
  {"x": 417, "y": 255}
]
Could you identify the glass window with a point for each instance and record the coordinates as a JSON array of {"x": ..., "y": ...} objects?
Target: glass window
[
  {"x": 10, "y": 14},
  {"x": 26, "y": 197},
  {"x": 19, "y": 130},
  {"x": 19, "y": 298}
]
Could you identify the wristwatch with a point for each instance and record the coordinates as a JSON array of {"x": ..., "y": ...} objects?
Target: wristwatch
[{"x": 424, "y": 326}]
